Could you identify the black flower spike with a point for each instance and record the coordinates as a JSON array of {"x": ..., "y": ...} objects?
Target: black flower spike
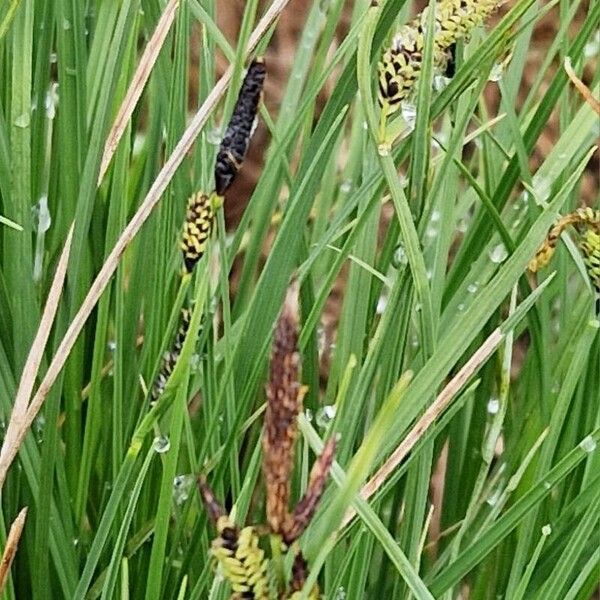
[
  {"x": 239, "y": 131},
  {"x": 170, "y": 357}
]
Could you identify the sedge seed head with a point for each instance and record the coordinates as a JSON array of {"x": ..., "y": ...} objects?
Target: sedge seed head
[
  {"x": 284, "y": 403},
  {"x": 197, "y": 228},
  {"x": 240, "y": 128}
]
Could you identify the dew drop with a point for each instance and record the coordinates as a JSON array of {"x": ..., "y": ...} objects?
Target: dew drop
[
  {"x": 592, "y": 48},
  {"x": 541, "y": 187},
  {"x": 472, "y": 288},
  {"x": 409, "y": 114},
  {"x": 325, "y": 415},
  {"x": 399, "y": 257},
  {"x": 440, "y": 82},
  {"x": 497, "y": 72},
  {"x": 161, "y": 444},
  {"x": 498, "y": 254},
  {"x": 462, "y": 225},
  {"x": 22, "y": 121},
  {"x": 461, "y": 307},
  {"x": 588, "y": 444},
  {"x": 321, "y": 340},
  {"x": 493, "y": 406},
  {"x": 346, "y": 186},
  {"x": 182, "y": 485},
  {"x": 112, "y": 345},
  {"x": 38, "y": 426},
  {"x": 214, "y": 136},
  {"x": 51, "y": 101},
  {"x": 381, "y": 304},
  {"x": 66, "y": 24},
  {"x": 194, "y": 363},
  {"x": 42, "y": 214},
  {"x": 493, "y": 498},
  {"x": 546, "y": 530}
]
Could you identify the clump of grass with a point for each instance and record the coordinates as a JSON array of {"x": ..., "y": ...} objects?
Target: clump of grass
[{"x": 462, "y": 392}]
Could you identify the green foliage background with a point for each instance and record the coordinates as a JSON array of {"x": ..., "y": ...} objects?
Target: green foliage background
[{"x": 110, "y": 514}]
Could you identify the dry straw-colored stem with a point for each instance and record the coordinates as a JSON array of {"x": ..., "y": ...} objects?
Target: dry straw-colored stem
[
  {"x": 150, "y": 201},
  {"x": 583, "y": 89},
  {"x": 429, "y": 416},
  {"x": 18, "y": 423},
  {"x": 137, "y": 85},
  {"x": 12, "y": 542}
]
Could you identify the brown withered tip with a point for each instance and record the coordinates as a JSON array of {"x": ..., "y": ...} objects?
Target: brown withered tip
[
  {"x": 284, "y": 403},
  {"x": 214, "y": 508},
  {"x": 305, "y": 509}
]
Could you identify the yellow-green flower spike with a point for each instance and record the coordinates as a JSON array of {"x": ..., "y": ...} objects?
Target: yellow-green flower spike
[
  {"x": 197, "y": 229},
  {"x": 241, "y": 559},
  {"x": 400, "y": 65},
  {"x": 582, "y": 219},
  {"x": 590, "y": 248}
]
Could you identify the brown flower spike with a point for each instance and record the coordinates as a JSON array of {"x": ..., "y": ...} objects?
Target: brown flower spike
[
  {"x": 284, "y": 403},
  {"x": 305, "y": 509}
]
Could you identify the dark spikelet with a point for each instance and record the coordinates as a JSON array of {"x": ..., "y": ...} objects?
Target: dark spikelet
[
  {"x": 170, "y": 357},
  {"x": 300, "y": 574},
  {"x": 305, "y": 509},
  {"x": 196, "y": 229},
  {"x": 239, "y": 131},
  {"x": 214, "y": 508},
  {"x": 284, "y": 403},
  {"x": 450, "y": 69}
]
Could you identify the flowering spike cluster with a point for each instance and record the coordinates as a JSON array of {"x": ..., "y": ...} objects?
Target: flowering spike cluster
[
  {"x": 241, "y": 126},
  {"x": 170, "y": 357},
  {"x": 587, "y": 222},
  {"x": 196, "y": 229},
  {"x": 284, "y": 404},
  {"x": 400, "y": 65}
]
